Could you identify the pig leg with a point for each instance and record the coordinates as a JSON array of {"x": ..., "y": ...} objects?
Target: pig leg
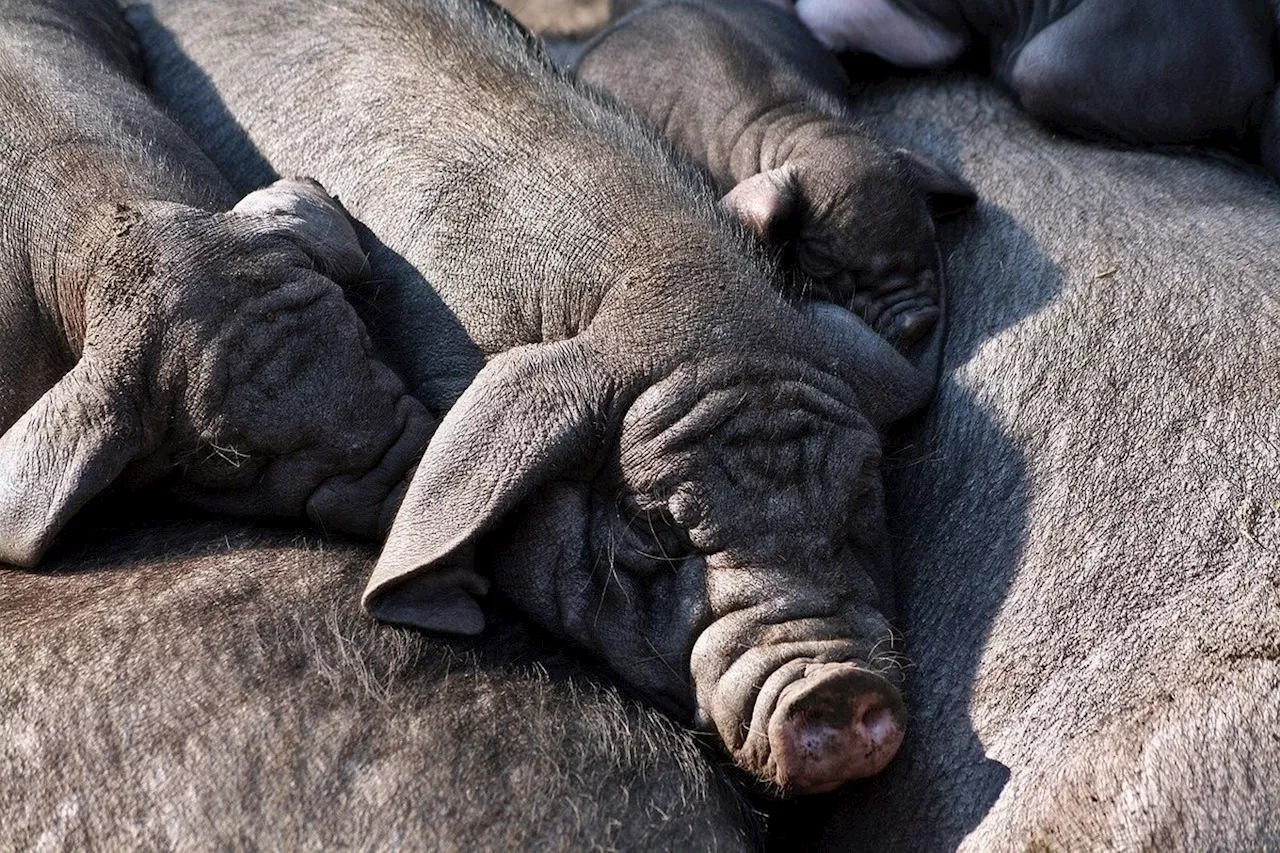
[
  {"x": 1166, "y": 73},
  {"x": 882, "y": 28}
]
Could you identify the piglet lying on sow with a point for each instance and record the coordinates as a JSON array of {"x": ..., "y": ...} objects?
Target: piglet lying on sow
[
  {"x": 145, "y": 333},
  {"x": 662, "y": 459},
  {"x": 743, "y": 89}
]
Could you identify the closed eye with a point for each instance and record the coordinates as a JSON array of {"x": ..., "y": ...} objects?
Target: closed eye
[
  {"x": 815, "y": 263},
  {"x": 651, "y": 543}
]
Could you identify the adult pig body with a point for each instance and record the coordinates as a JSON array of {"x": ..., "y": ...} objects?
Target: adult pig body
[
  {"x": 745, "y": 91},
  {"x": 622, "y": 441},
  {"x": 1142, "y": 71},
  {"x": 1094, "y": 594},
  {"x": 207, "y": 685},
  {"x": 148, "y": 323}
]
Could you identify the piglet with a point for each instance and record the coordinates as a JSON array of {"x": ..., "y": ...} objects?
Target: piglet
[
  {"x": 149, "y": 331},
  {"x": 744, "y": 90}
]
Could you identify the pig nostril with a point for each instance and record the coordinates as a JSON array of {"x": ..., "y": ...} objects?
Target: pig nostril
[
  {"x": 880, "y": 725},
  {"x": 838, "y": 724}
]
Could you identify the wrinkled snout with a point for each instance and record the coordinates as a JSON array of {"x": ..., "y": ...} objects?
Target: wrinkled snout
[
  {"x": 903, "y": 308},
  {"x": 835, "y": 723},
  {"x": 804, "y": 702},
  {"x": 365, "y": 504}
]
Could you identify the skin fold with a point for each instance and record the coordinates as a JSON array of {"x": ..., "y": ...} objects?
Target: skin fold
[
  {"x": 655, "y": 456},
  {"x": 156, "y": 329},
  {"x": 746, "y": 92}
]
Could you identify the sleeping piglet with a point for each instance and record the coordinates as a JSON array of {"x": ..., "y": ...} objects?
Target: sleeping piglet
[
  {"x": 150, "y": 332},
  {"x": 743, "y": 89},
  {"x": 659, "y": 458}
]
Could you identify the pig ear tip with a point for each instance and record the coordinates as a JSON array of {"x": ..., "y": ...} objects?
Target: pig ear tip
[{"x": 447, "y": 611}]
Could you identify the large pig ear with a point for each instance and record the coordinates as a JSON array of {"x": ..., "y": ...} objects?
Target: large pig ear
[
  {"x": 889, "y": 385},
  {"x": 765, "y": 202},
  {"x": 532, "y": 415},
  {"x": 300, "y": 209},
  {"x": 949, "y": 195},
  {"x": 67, "y": 448}
]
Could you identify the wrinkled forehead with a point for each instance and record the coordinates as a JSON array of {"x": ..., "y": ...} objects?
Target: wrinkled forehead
[{"x": 784, "y": 435}]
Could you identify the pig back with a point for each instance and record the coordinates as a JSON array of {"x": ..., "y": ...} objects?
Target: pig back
[
  {"x": 1088, "y": 518},
  {"x": 193, "y": 685},
  {"x": 520, "y": 199}
]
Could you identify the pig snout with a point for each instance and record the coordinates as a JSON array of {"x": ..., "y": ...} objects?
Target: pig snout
[
  {"x": 365, "y": 504},
  {"x": 836, "y": 723},
  {"x": 901, "y": 307},
  {"x": 803, "y": 701}
]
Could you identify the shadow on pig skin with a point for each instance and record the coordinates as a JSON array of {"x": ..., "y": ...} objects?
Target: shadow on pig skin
[
  {"x": 182, "y": 684},
  {"x": 924, "y": 472},
  {"x": 439, "y": 375},
  {"x": 1091, "y": 567}
]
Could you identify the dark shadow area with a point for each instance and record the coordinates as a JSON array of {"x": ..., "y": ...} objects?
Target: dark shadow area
[
  {"x": 400, "y": 308},
  {"x": 220, "y": 135}
]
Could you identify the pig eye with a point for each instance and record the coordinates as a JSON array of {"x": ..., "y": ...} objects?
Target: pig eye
[
  {"x": 686, "y": 508},
  {"x": 815, "y": 261},
  {"x": 651, "y": 544},
  {"x": 865, "y": 513}
]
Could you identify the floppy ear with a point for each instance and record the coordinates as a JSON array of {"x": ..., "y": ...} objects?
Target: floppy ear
[
  {"x": 67, "y": 448},
  {"x": 764, "y": 202},
  {"x": 949, "y": 195},
  {"x": 532, "y": 415},
  {"x": 300, "y": 209},
  {"x": 888, "y": 384}
]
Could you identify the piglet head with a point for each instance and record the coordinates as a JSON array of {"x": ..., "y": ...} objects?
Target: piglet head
[
  {"x": 860, "y": 220},
  {"x": 290, "y": 411},
  {"x": 218, "y": 350},
  {"x": 761, "y": 485},
  {"x": 715, "y": 534}
]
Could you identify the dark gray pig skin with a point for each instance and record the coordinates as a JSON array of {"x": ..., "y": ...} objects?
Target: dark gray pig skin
[
  {"x": 181, "y": 685},
  {"x": 745, "y": 91},
  {"x": 1140, "y": 71},
  {"x": 149, "y": 333},
  {"x": 1090, "y": 531},
  {"x": 679, "y": 469}
]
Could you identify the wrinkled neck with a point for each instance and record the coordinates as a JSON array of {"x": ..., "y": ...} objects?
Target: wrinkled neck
[{"x": 776, "y": 138}]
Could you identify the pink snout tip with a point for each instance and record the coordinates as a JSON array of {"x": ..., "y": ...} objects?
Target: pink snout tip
[{"x": 837, "y": 723}]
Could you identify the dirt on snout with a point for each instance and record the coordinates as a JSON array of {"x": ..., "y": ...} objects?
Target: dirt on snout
[{"x": 559, "y": 18}]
